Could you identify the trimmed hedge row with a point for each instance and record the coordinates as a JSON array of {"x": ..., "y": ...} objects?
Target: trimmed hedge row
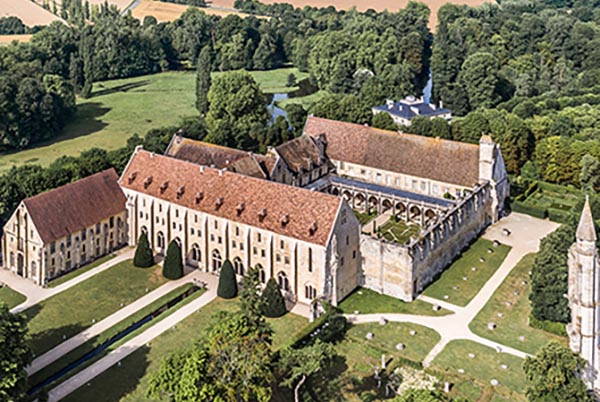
[
  {"x": 556, "y": 328},
  {"x": 519, "y": 206}
]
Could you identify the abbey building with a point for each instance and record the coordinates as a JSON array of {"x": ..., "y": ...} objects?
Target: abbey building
[{"x": 341, "y": 206}]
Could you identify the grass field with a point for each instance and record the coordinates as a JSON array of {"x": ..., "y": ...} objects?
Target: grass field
[
  {"x": 306, "y": 101},
  {"x": 480, "y": 370},
  {"x": 513, "y": 324},
  {"x": 367, "y": 301},
  {"x": 452, "y": 283},
  {"x": 129, "y": 381},
  {"x": 120, "y": 108},
  {"x": 399, "y": 231},
  {"x": 73, "y": 310},
  {"x": 10, "y": 298},
  {"x": 79, "y": 271}
]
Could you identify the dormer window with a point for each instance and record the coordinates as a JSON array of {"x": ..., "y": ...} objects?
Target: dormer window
[
  {"x": 148, "y": 181},
  {"x": 262, "y": 214},
  {"x": 313, "y": 228},
  {"x": 240, "y": 208},
  {"x": 132, "y": 177},
  {"x": 285, "y": 219},
  {"x": 180, "y": 192},
  {"x": 199, "y": 197},
  {"x": 219, "y": 201},
  {"x": 164, "y": 186}
]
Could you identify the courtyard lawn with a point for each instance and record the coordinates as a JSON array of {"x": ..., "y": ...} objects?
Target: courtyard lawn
[
  {"x": 118, "y": 109},
  {"x": 75, "y": 309},
  {"x": 364, "y": 217},
  {"x": 75, "y": 273},
  {"x": 11, "y": 298},
  {"x": 128, "y": 382},
  {"x": 399, "y": 231},
  {"x": 367, "y": 301},
  {"x": 514, "y": 323},
  {"x": 359, "y": 356},
  {"x": 480, "y": 370},
  {"x": 452, "y": 283}
]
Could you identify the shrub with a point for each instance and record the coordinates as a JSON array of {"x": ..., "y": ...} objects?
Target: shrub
[
  {"x": 227, "y": 284},
  {"x": 173, "y": 265},
  {"x": 143, "y": 254},
  {"x": 272, "y": 301},
  {"x": 556, "y": 328}
]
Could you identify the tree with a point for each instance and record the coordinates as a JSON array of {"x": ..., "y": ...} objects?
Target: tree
[
  {"x": 227, "y": 288},
  {"x": 554, "y": 375},
  {"x": 88, "y": 77},
  {"x": 143, "y": 257},
  {"x": 589, "y": 178},
  {"x": 300, "y": 364},
  {"x": 236, "y": 105},
  {"x": 15, "y": 355},
  {"x": 291, "y": 80},
  {"x": 203, "y": 79},
  {"x": 478, "y": 76},
  {"x": 384, "y": 121},
  {"x": 173, "y": 264},
  {"x": 296, "y": 115},
  {"x": 272, "y": 302},
  {"x": 250, "y": 299}
]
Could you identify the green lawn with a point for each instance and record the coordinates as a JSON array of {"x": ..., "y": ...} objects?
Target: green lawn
[
  {"x": 514, "y": 322},
  {"x": 130, "y": 381},
  {"x": 306, "y": 101},
  {"x": 73, "y": 310},
  {"x": 10, "y": 297},
  {"x": 75, "y": 273},
  {"x": 367, "y": 301},
  {"x": 480, "y": 370},
  {"x": 120, "y": 108},
  {"x": 399, "y": 231},
  {"x": 359, "y": 356},
  {"x": 364, "y": 217},
  {"x": 98, "y": 340},
  {"x": 463, "y": 267}
]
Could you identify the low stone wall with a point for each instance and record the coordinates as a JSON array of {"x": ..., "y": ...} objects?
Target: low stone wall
[{"x": 403, "y": 270}]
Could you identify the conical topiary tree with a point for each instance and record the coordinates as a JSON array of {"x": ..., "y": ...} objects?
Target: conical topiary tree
[
  {"x": 173, "y": 265},
  {"x": 227, "y": 284},
  {"x": 272, "y": 302},
  {"x": 143, "y": 257}
]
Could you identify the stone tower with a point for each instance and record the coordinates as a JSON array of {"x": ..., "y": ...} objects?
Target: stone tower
[
  {"x": 492, "y": 170},
  {"x": 584, "y": 297}
]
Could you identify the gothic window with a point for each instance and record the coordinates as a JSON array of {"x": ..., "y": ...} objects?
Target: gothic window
[
  {"x": 238, "y": 266},
  {"x": 310, "y": 292},
  {"x": 160, "y": 240},
  {"x": 196, "y": 256},
  {"x": 310, "y": 262},
  {"x": 261, "y": 273},
  {"x": 283, "y": 281},
  {"x": 217, "y": 261}
]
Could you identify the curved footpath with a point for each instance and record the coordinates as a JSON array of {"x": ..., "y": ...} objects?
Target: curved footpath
[{"x": 526, "y": 233}]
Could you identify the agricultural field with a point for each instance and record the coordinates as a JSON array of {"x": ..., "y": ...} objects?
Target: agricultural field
[
  {"x": 8, "y": 39},
  {"x": 29, "y": 12},
  {"x": 164, "y": 12},
  {"x": 118, "y": 109}
]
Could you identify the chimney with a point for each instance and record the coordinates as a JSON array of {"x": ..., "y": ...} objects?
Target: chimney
[
  {"x": 148, "y": 181},
  {"x": 441, "y": 104},
  {"x": 201, "y": 168},
  {"x": 262, "y": 214},
  {"x": 151, "y": 155},
  {"x": 389, "y": 103},
  {"x": 199, "y": 197}
]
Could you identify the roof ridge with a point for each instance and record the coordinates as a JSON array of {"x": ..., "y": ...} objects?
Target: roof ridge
[{"x": 73, "y": 183}]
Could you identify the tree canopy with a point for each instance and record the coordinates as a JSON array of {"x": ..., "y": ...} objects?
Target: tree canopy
[{"x": 15, "y": 355}]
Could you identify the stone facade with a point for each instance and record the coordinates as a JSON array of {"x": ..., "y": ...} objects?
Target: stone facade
[
  {"x": 36, "y": 249},
  {"x": 584, "y": 298}
]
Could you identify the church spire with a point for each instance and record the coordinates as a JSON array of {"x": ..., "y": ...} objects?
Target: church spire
[{"x": 586, "y": 230}]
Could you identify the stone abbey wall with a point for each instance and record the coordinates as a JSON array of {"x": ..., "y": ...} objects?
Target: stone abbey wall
[{"x": 403, "y": 270}]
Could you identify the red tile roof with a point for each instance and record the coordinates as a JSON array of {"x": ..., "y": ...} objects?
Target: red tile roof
[
  {"x": 217, "y": 156},
  {"x": 290, "y": 211},
  {"x": 414, "y": 155},
  {"x": 300, "y": 153},
  {"x": 73, "y": 207}
]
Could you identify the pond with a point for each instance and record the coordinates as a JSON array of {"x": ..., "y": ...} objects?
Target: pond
[{"x": 304, "y": 88}]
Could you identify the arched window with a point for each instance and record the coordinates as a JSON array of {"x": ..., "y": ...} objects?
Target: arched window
[
  {"x": 238, "y": 266},
  {"x": 144, "y": 230},
  {"x": 12, "y": 259},
  {"x": 196, "y": 255},
  {"x": 310, "y": 292},
  {"x": 217, "y": 261},
  {"x": 261, "y": 274},
  {"x": 178, "y": 241},
  {"x": 283, "y": 281},
  {"x": 160, "y": 240}
]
